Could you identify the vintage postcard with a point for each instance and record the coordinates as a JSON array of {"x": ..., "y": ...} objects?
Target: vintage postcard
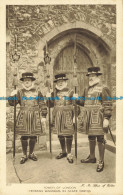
[{"x": 61, "y": 97}]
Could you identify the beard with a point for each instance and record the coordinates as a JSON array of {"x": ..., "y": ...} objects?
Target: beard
[
  {"x": 95, "y": 81},
  {"x": 61, "y": 87},
  {"x": 28, "y": 88}
]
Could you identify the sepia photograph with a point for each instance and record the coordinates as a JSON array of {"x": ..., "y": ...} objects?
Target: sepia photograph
[{"x": 61, "y": 70}]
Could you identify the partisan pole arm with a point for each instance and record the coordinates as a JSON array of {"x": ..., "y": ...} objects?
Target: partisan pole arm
[
  {"x": 112, "y": 136},
  {"x": 48, "y": 85},
  {"x": 14, "y": 135},
  {"x": 50, "y": 137},
  {"x": 47, "y": 60},
  {"x": 75, "y": 133},
  {"x": 15, "y": 58},
  {"x": 75, "y": 84}
]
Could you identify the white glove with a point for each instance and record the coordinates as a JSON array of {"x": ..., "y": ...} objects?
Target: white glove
[
  {"x": 105, "y": 123},
  {"x": 74, "y": 119},
  {"x": 48, "y": 95},
  {"x": 43, "y": 120},
  {"x": 75, "y": 95},
  {"x": 14, "y": 92}
]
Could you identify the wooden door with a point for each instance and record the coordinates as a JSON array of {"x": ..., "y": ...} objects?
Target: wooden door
[{"x": 65, "y": 63}]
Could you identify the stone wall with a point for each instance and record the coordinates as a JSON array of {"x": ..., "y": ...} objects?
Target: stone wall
[{"x": 33, "y": 25}]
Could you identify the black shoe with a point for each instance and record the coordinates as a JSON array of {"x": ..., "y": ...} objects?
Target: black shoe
[
  {"x": 61, "y": 155},
  {"x": 23, "y": 159},
  {"x": 70, "y": 158},
  {"x": 33, "y": 157},
  {"x": 88, "y": 160},
  {"x": 100, "y": 166}
]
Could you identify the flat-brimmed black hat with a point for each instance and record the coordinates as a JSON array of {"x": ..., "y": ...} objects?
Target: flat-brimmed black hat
[
  {"x": 60, "y": 76},
  {"x": 94, "y": 70},
  {"x": 27, "y": 75}
]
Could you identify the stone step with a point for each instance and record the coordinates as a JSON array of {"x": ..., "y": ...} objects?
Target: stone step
[
  {"x": 79, "y": 135},
  {"x": 83, "y": 142}
]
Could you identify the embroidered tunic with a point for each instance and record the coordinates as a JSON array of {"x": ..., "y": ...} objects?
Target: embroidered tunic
[
  {"x": 96, "y": 109},
  {"x": 28, "y": 121},
  {"x": 63, "y": 112}
]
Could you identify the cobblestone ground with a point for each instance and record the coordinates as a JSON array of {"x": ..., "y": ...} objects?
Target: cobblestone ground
[{"x": 50, "y": 170}]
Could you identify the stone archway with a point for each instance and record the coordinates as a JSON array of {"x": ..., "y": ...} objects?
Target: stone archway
[
  {"x": 90, "y": 39},
  {"x": 94, "y": 48},
  {"x": 82, "y": 26}
]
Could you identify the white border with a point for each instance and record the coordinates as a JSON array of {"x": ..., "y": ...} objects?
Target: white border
[{"x": 16, "y": 189}]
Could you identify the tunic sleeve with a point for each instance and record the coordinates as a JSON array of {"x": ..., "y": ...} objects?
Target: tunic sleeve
[
  {"x": 107, "y": 104},
  {"x": 42, "y": 105}
]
